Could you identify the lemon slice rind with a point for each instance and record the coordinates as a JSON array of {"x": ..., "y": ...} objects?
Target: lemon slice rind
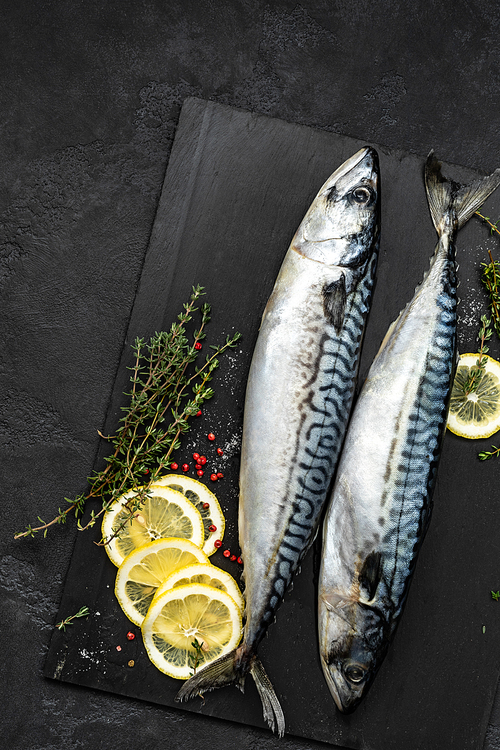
[
  {"x": 165, "y": 513},
  {"x": 198, "y": 494},
  {"x": 184, "y": 613},
  {"x": 209, "y": 575},
  {"x": 478, "y": 415},
  {"x": 145, "y": 569}
]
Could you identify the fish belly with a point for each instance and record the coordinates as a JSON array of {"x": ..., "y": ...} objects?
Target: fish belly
[{"x": 298, "y": 400}]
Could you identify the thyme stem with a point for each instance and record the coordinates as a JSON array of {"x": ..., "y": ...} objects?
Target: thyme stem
[
  {"x": 490, "y": 276},
  {"x": 167, "y": 389},
  {"x": 485, "y": 455},
  {"x": 82, "y": 612},
  {"x": 477, "y": 371}
]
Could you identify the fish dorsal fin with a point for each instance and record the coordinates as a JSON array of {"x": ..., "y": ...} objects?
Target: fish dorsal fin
[
  {"x": 334, "y": 300},
  {"x": 370, "y": 574}
]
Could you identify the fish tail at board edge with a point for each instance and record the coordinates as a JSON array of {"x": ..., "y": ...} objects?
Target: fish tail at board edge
[
  {"x": 232, "y": 669},
  {"x": 449, "y": 200}
]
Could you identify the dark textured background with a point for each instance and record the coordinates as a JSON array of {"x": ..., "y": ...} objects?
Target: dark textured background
[{"x": 90, "y": 94}]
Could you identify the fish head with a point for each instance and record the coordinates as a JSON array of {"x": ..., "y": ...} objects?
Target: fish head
[
  {"x": 353, "y": 643},
  {"x": 341, "y": 227}
]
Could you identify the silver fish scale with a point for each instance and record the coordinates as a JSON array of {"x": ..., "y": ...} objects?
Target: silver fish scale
[
  {"x": 413, "y": 484},
  {"x": 320, "y": 439},
  {"x": 381, "y": 504},
  {"x": 298, "y": 398}
]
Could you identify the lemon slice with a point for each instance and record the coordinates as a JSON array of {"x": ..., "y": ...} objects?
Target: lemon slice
[
  {"x": 209, "y": 575},
  {"x": 165, "y": 513},
  {"x": 146, "y": 568},
  {"x": 199, "y": 495},
  {"x": 476, "y": 415},
  {"x": 183, "y": 614}
]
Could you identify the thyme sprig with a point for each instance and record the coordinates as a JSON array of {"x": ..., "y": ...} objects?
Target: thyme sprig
[
  {"x": 82, "y": 612},
  {"x": 491, "y": 276},
  {"x": 197, "y": 657},
  {"x": 168, "y": 388},
  {"x": 476, "y": 372},
  {"x": 485, "y": 455},
  {"x": 493, "y": 225}
]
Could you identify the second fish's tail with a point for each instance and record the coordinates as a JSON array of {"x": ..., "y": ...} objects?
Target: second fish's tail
[
  {"x": 452, "y": 202},
  {"x": 232, "y": 669}
]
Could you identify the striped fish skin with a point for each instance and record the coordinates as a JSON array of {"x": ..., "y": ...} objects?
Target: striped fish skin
[
  {"x": 301, "y": 383},
  {"x": 298, "y": 399},
  {"x": 382, "y": 499}
]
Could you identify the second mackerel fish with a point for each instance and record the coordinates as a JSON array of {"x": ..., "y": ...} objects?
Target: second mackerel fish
[
  {"x": 382, "y": 498},
  {"x": 298, "y": 400}
]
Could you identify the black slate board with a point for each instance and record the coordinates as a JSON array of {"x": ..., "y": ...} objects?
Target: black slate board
[{"x": 236, "y": 188}]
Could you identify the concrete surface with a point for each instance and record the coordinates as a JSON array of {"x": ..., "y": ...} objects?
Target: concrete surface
[{"x": 90, "y": 94}]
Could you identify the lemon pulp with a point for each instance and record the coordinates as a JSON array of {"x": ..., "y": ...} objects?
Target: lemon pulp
[
  {"x": 187, "y": 613},
  {"x": 199, "y": 495},
  {"x": 145, "y": 569},
  {"x": 206, "y": 574},
  {"x": 477, "y": 414},
  {"x": 164, "y": 513}
]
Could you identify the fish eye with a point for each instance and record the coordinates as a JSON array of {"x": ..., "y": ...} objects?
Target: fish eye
[
  {"x": 354, "y": 673},
  {"x": 361, "y": 195}
]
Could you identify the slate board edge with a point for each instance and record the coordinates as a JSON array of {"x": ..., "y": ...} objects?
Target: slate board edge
[
  {"x": 195, "y": 114},
  {"x": 192, "y": 105}
]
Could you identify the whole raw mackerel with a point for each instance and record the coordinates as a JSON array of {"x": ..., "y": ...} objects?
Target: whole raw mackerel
[
  {"x": 298, "y": 400},
  {"x": 381, "y": 502}
]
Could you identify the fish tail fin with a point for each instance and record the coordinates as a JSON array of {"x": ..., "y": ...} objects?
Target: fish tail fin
[
  {"x": 232, "y": 669},
  {"x": 449, "y": 200}
]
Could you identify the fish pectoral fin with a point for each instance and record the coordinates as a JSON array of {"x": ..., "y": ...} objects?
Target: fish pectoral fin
[
  {"x": 334, "y": 301},
  {"x": 371, "y": 573},
  {"x": 338, "y": 601}
]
